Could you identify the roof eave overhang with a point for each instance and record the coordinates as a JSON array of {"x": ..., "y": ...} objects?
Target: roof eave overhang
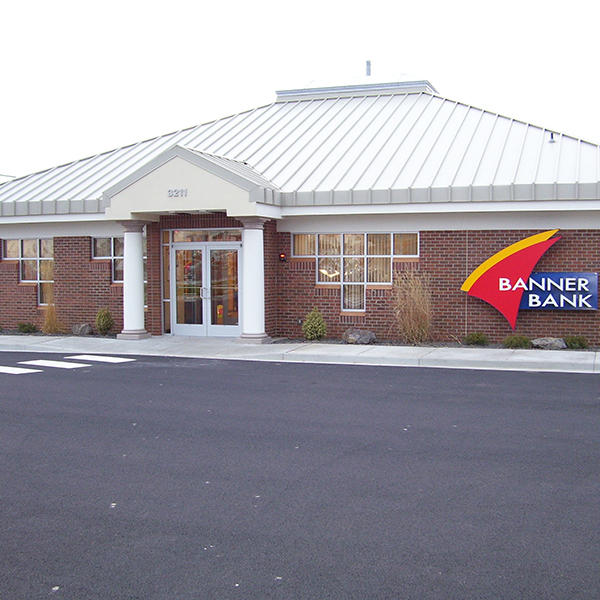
[
  {"x": 436, "y": 208},
  {"x": 512, "y": 193},
  {"x": 31, "y": 208}
]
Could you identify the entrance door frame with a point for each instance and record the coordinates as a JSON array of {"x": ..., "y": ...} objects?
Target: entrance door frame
[{"x": 206, "y": 329}]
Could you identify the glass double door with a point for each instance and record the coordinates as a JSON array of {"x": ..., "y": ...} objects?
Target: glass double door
[{"x": 205, "y": 289}]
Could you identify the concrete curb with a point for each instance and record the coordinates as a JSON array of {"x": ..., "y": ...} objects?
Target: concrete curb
[{"x": 397, "y": 356}]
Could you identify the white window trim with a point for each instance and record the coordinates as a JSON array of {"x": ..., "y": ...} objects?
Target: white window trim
[
  {"x": 38, "y": 259},
  {"x": 365, "y": 256},
  {"x": 114, "y": 257}
]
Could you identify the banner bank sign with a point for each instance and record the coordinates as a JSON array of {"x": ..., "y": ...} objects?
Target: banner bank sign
[{"x": 507, "y": 281}]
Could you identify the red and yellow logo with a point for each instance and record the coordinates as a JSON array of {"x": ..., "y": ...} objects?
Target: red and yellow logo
[{"x": 515, "y": 262}]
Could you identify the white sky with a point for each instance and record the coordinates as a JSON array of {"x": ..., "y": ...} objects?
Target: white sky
[{"x": 80, "y": 78}]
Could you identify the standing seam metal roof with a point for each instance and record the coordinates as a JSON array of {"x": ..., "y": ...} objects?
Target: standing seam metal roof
[{"x": 384, "y": 147}]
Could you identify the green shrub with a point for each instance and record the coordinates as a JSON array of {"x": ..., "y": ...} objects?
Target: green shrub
[
  {"x": 104, "y": 321},
  {"x": 314, "y": 327},
  {"x": 517, "y": 341},
  {"x": 476, "y": 339},
  {"x": 576, "y": 342},
  {"x": 26, "y": 328}
]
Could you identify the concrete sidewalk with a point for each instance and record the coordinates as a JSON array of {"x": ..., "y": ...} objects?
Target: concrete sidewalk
[{"x": 232, "y": 349}]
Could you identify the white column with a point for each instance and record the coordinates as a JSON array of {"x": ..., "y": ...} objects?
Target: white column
[
  {"x": 253, "y": 281},
  {"x": 133, "y": 282}
]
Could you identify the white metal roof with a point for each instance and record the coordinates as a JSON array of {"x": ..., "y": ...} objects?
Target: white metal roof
[{"x": 380, "y": 145}]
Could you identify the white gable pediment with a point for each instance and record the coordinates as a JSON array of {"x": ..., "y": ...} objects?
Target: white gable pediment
[{"x": 181, "y": 180}]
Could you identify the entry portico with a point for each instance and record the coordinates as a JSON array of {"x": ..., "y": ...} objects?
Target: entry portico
[{"x": 208, "y": 276}]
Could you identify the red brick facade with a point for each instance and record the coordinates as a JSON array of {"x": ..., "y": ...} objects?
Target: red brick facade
[
  {"x": 448, "y": 257},
  {"x": 19, "y": 300},
  {"x": 83, "y": 285},
  {"x": 577, "y": 251},
  {"x": 298, "y": 294}
]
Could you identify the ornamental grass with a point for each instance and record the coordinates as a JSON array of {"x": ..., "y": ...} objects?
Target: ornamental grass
[{"x": 413, "y": 306}]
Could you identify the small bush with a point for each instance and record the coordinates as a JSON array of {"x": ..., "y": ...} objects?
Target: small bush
[
  {"x": 314, "y": 327},
  {"x": 26, "y": 328},
  {"x": 104, "y": 321},
  {"x": 517, "y": 341},
  {"x": 576, "y": 342},
  {"x": 51, "y": 322},
  {"x": 413, "y": 306},
  {"x": 476, "y": 339}
]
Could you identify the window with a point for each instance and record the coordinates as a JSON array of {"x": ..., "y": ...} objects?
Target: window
[
  {"x": 111, "y": 248},
  {"x": 355, "y": 260},
  {"x": 304, "y": 244},
  {"x": 406, "y": 244},
  {"x": 207, "y": 235},
  {"x": 36, "y": 264}
]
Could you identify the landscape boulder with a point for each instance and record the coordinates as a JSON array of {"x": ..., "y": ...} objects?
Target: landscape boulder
[
  {"x": 549, "y": 343},
  {"x": 358, "y": 336},
  {"x": 82, "y": 329}
]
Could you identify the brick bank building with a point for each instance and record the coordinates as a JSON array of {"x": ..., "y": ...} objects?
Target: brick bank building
[{"x": 240, "y": 226}]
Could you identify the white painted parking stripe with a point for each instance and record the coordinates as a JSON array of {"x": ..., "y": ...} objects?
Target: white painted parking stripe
[
  {"x": 58, "y": 364},
  {"x": 18, "y": 370},
  {"x": 98, "y": 358}
]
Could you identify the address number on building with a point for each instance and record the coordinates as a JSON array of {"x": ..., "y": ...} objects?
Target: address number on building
[{"x": 177, "y": 192}]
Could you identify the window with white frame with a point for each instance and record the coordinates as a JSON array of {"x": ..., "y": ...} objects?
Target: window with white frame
[
  {"x": 354, "y": 260},
  {"x": 36, "y": 264},
  {"x": 111, "y": 248}
]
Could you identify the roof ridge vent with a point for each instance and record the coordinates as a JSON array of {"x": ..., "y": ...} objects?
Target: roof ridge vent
[{"x": 361, "y": 89}]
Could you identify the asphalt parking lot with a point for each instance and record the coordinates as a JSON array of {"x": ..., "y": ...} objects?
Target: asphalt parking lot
[{"x": 188, "y": 478}]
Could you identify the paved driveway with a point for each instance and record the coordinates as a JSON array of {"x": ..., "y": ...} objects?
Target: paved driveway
[{"x": 185, "y": 478}]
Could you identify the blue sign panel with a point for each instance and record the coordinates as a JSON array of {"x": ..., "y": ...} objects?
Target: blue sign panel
[{"x": 559, "y": 291}]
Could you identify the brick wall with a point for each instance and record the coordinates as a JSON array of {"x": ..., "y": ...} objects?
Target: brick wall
[
  {"x": 298, "y": 294},
  {"x": 153, "y": 277},
  {"x": 448, "y": 257},
  {"x": 271, "y": 247},
  {"x": 578, "y": 250},
  {"x": 18, "y": 300},
  {"x": 83, "y": 286}
]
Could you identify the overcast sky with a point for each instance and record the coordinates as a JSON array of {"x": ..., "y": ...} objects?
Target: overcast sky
[{"x": 80, "y": 78}]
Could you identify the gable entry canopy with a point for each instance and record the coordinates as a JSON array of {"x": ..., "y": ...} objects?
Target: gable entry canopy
[
  {"x": 183, "y": 180},
  {"x": 180, "y": 180}
]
